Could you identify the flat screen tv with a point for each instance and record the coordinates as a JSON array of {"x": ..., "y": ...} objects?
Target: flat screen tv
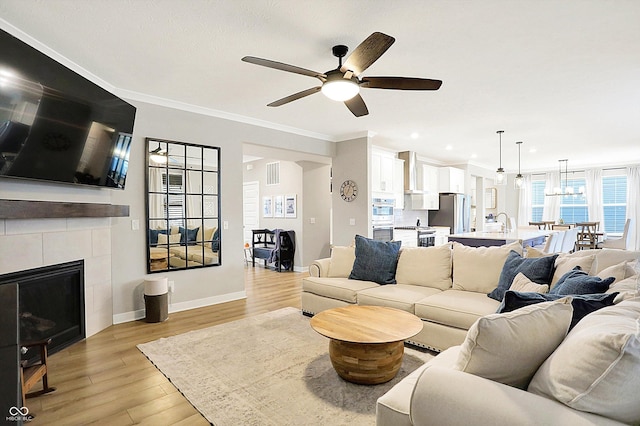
[{"x": 56, "y": 125}]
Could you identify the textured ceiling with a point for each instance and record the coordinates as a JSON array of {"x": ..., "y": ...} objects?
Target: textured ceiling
[{"x": 561, "y": 76}]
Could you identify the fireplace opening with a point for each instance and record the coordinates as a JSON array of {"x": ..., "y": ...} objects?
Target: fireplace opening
[{"x": 51, "y": 304}]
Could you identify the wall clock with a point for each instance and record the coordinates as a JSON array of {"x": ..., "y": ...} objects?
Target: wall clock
[{"x": 348, "y": 190}]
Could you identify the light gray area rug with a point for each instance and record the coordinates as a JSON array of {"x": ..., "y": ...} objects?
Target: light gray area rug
[{"x": 271, "y": 369}]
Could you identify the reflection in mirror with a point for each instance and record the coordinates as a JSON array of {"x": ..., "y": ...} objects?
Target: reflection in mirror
[{"x": 183, "y": 210}]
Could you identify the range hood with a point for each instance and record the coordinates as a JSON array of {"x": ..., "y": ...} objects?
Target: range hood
[{"x": 411, "y": 186}]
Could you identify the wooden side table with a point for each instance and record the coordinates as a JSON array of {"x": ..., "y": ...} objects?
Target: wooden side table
[{"x": 367, "y": 342}]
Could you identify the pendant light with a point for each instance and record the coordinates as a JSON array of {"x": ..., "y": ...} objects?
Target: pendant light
[
  {"x": 565, "y": 189},
  {"x": 519, "y": 181},
  {"x": 158, "y": 155},
  {"x": 501, "y": 178}
]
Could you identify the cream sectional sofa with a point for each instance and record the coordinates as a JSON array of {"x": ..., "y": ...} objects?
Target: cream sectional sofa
[
  {"x": 446, "y": 286},
  {"x": 589, "y": 376}
]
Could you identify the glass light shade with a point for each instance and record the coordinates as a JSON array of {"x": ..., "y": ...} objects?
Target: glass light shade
[
  {"x": 501, "y": 178},
  {"x": 519, "y": 181},
  {"x": 340, "y": 89},
  {"x": 158, "y": 158}
]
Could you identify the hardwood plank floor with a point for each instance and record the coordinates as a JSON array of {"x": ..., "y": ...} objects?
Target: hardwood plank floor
[{"x": 106, "y": 380}]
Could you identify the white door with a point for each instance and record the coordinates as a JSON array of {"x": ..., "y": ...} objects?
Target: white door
[{"x": 250, "y": 209}]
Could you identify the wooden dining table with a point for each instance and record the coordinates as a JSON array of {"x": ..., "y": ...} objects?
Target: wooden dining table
[{"x": 543, "y": 224}]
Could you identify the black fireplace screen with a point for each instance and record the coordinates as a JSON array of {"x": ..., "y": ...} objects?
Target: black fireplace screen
[{"x": 51, "y": 304}]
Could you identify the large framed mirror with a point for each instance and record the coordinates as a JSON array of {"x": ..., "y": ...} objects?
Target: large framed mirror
[{"x": 183, "y": 206}]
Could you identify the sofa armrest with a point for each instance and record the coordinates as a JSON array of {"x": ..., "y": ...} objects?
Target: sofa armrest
[
  {"x": 443, "y": 396},
  {"x": 320, "y": 267}
]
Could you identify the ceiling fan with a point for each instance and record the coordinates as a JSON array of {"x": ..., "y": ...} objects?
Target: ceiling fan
[{"x": 343, "y": 83}]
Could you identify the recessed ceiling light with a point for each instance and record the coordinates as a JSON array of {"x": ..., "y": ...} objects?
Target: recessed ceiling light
[
  {"x": 415, "y": 135},
  {"x": 474, "y": 155},
  {"x": 532, "y": 150},
  {"x": 449, "y": 147}
]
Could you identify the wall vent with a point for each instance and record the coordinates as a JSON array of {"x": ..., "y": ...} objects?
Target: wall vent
[{"x": 273, "y": 173}]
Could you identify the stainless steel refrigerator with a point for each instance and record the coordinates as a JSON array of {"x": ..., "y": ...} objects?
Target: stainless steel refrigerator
[{"x": 454, "y": 212}]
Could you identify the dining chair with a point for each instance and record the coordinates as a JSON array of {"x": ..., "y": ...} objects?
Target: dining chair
[
  {"x": 617, "y": 243},
  {"x": 569, "y": 240},
  {"x": 587, "y": 236}
]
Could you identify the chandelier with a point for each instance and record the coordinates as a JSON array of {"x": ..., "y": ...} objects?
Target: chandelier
[{"x": 564, "y": 189}]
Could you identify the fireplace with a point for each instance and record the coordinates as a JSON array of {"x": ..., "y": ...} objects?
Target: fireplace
[{"x": 51, "y": 304}]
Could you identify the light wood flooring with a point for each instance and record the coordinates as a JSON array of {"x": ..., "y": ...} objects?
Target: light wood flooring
[{"x": 106, "y": 380}]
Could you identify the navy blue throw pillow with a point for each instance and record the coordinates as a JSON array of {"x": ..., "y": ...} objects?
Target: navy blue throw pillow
[
  {"x": 153, "y": 237},
  {"x": 375, "y": 260},
  {"x": 188, "y": 236},
  {"x": 583, "y": 304},
  {"x": 575, "y": 272},
  {"x": 215, "y": 241},
  {"x": 582, "y": 284},
  {"x": 539, "y": 270}
]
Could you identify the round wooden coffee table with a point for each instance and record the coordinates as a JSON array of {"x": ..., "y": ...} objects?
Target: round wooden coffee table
[{"x": 367, "y": 342}]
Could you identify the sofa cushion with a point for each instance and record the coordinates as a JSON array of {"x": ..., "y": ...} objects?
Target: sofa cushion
[
  {"x": 509, "y": 348},
  {"x": 425, "y": 266},
  {"x": 597, "y": 367},
  {"x": 336, "y": 288},
  {"x": 455, "y": 308},
  {"x": 164, "y": 239},
  {"x": 393, "y": 407},
  {"x": 565, "y": 264},
  {"x": 478, "y": 268},
  {"x": 609, "y": 257},
  {"x": 626, "y": 288},
  {"x": 538, "y": 270},
  {"x": 375, "y": 260},
  {"x": 342, "y": 259},
  {"x": 399, "y": 296},
  {"x": 523, "y": 284},
  {"x": 582, "y": 304}
]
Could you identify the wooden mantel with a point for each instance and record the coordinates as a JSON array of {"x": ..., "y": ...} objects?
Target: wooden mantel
[{"x": 20, "y": 209}]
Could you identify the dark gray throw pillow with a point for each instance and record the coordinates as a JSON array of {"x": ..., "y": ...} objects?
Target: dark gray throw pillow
[
  {"x": 582, "y": 284},
  {"x": 539, "y": 270},
  {"x": 375, "y": 260},
  {"x": 583, "y": 304}
]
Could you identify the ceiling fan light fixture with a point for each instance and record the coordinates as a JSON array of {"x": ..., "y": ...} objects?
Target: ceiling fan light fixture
[
  {"x": 158, "y": 155},
  {"x": 338, "y": 88}
]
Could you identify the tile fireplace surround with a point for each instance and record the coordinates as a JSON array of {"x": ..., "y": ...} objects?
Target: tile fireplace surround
[{"x": 31, "y": 243}]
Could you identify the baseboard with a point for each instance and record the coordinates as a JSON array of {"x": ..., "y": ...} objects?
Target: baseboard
[{"x": 181, "y": 306}]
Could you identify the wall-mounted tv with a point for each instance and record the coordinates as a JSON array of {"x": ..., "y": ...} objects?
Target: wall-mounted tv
[{"x": 56, "y": 125}]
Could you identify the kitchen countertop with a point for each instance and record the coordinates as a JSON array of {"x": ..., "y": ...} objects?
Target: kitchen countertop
[{"x": 525, "y": 237}]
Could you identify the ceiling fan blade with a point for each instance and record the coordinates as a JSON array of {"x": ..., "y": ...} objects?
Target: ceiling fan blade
[
  {"x": 294, "y": 97},
  {"x": 357, "y": 106},
  {"x": 400, "y": 83},
  {"x": 283, "y": 67},
  {"x": 367, "y": 53}
]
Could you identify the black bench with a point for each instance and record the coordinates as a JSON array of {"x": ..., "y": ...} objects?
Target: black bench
[{"x": 273, "y": 246}]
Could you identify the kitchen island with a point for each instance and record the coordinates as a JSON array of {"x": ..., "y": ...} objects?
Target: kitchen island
[{"x": 487, "y": 239}]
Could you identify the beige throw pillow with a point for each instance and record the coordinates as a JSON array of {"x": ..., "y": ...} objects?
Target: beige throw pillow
[
  {"x": 619, "y": 271},
  {"x": 478, "y": 268},
  {"x": 425, "y": 266},
  {"x": 523, "y": 284},
  {"x": 509, "y": 348},
  {"x": 597, "y": 367},
  {"x": 532, "y": 252},
  {"x": 163, "y": 239},
  {"x": 341, "y": 264}
]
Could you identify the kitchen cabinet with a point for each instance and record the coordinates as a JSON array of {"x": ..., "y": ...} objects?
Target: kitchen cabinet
[
  {"x": 430, "y": 179},
  {"x": 382, "y": 172},
  {"x": 451, "y": 180},
  {"x": 398, "y": 183},
  {"x": 425, "y": 201},
  {"x": 408, "y": 237},
  {"x": 441, "y": 235}
]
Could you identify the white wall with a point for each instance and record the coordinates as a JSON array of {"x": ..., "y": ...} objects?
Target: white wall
[
  {"x": 316, "y": 208},
  {"x": 203, "y": 286},
  {"x": 352, "y": 161}
]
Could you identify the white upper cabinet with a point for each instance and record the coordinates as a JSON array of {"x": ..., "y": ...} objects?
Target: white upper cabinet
[
  {"x": 451, "y": 180},
  {"x": 382, "y": 172},
  {"x": 430, "y": 179}
]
